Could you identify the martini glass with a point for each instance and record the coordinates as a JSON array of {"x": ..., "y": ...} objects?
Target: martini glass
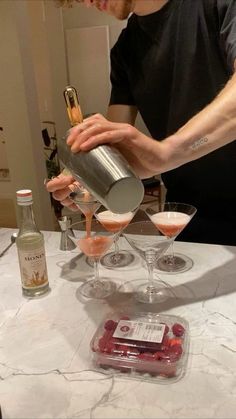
[
  {"x": 94, "y": 246},
  {"x": 171, "y": 218},
  {"x": 86, "y": 203},
  {"x": 150, "y": 244},
  {"x": 115, "y": 223}
]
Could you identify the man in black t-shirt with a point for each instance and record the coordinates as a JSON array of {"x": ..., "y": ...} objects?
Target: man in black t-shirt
[{"x": 174, "y": 63}]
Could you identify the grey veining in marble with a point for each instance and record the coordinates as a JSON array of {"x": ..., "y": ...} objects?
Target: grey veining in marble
[{"x": 45, "y": 365}]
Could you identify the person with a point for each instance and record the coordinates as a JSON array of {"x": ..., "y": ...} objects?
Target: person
[{"x": 175, "y": 64}]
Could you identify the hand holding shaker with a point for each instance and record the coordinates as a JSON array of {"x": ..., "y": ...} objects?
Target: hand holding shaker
[{"x": 103, "y": 171}]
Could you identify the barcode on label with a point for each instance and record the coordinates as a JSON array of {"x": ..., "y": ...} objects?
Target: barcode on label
[
  {"x": 153, "y": 327},
  {"x": 140, "y": 331}
]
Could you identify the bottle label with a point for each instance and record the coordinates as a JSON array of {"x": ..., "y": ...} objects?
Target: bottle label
[
  {"x": 33, "y": 268},
  {"x": 140, "y": 330}
]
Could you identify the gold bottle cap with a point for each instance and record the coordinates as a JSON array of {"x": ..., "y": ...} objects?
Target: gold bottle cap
[{"x": 72, "y": 105}]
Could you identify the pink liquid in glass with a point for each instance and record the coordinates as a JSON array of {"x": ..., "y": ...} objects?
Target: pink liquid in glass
[
  {"x": 114, "y": 222},
  {"x": 95, "y": 246},
  {"x": 170, "y": 223}
]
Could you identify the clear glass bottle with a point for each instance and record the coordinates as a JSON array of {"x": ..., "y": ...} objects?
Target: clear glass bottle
[{"x": 31, "y": 250}]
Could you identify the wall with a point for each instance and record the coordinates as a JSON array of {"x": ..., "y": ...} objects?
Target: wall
[{"x": 19, "y": 110}]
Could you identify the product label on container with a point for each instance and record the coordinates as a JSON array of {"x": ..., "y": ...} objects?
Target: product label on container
[
  {"x": 33, "y": 268},
  {"x": 139, "y": 330}
]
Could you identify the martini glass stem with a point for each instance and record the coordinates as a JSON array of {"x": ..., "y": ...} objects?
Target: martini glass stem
[
  {"x": 96, "y": 282},
  {"x": 170, "y": 256},
  {"x": 150, "y": 260},
  {"x": 116, "y": 256}
]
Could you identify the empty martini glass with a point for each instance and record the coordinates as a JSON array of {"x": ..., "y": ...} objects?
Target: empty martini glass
[
  {"x": 115, "y": 223},
  {"x": 171, "y": 218},
  {"x": 94, "y": 246},
  {"x": 150, "y": 244}
]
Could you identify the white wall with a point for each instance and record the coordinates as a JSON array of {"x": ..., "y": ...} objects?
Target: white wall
[{"x": 19, "y": 110}]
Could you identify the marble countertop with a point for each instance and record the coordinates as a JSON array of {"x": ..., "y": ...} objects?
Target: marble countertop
[{"x": 45, "y": 362}]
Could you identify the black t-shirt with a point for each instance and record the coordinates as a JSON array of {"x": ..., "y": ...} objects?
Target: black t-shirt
[{"x": 171, "y": 64}]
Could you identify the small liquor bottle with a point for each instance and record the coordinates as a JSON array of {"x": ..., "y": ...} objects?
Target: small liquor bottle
[{"x": 31, "y": 251}]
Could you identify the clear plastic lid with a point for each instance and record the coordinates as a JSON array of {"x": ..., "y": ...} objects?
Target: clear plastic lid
[{"x": 143, "y": 345}]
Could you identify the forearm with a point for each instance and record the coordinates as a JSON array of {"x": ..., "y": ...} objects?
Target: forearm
[
  {"x": 212, "y": 128},
  {"x": 122, "y": 113}
]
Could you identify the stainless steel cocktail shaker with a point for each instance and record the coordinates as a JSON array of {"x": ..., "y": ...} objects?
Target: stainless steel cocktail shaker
[{"x": 103, "y": 171}]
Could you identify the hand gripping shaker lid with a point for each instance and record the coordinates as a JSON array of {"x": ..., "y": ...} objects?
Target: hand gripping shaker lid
[{"x": 103, "y": 171}]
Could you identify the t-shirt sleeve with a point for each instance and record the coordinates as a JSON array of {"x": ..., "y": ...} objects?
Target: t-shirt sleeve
[
  {"x": 120, "y": 84},
  {"x": 227, "y": 22}
]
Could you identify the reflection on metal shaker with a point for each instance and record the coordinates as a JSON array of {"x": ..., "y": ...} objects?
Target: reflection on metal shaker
[{"x": 103, "y": 171}]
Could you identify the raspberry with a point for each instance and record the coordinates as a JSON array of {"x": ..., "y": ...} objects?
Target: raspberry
[
  {"x": 166, "y": 329},
  {"x": 106, "y": 346},
  {"x": 102, "y": 344},
  {"x": 158, "y": 355},
  {"x": 110, "y": 347},
  {"x": 175, "y": 352},
  {"x": 147, "y": 356},
  {"x": 161, "y": 356},
  {"x": 165, "y": 343},
  {"x": 110, "y": 325},
  {"x": 178, "y": 329},
  {"x": 107, "y": 334},
  {"x": 175, "y": 341}
]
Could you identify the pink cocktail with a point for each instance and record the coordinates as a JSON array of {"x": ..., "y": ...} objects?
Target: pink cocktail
[
  {"x": 170, "y": 218},
  {"x": 95, "y": 246},
  {"x": 94, "y": 243},
  {"x": 115, "y": 223},
  {"x": 170, "y": 223}
]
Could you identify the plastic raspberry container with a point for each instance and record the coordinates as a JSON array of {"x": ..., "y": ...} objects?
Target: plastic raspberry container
[{"x": 140, "y": 345}]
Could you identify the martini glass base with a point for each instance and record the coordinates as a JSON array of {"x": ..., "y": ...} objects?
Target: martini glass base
[
  {"x": 174, "y": 264},
  {"x": 97, "y": 289},
  {"x": 152, "y": 294},
  {"x": 119, "y": 260}
]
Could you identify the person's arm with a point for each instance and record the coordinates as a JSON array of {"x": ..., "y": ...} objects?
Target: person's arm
[
  {"x": 122, "y": 113},
  {"x": 212, "y": 128}
]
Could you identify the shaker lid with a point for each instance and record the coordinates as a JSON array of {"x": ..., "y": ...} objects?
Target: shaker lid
[{"x": 24, "y": 197}]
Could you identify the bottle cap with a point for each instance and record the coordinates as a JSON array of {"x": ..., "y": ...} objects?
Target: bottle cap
[{"x": 24, "y": 197}]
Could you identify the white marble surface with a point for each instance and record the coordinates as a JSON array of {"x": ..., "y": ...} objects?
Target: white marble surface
[{"x": 45, "y": 366}]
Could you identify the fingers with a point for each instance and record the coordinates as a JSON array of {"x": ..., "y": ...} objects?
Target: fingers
[
  {"x": 59, "y": 182},
  {"x": 69, "y": 204},
  {"x": 91, "y": 132},
  {"x": 61, "y": 194},
  {"x": 61, "y": 187},
  {"x": 78, "y": 129},
  {"x": 101, "y": 132},
  {"x": 103, "y": 138}
]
